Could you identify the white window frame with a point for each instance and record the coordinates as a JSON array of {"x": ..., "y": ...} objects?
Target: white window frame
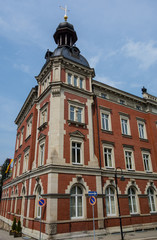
[
  {"x": 125, "y": 129},
  {"x": 18, "y": 166},
  {"x": 26, "y": 161},
  {"x": 108, "y": 199},
  {"x": 76, "y": 195},
  {"x": 43, "y": 115},
  {"x": 41, "y": 154},
  {"x": 38, "y": 208},
  {"x": 18, "y": 141},
  {"x": 29, "y": 127},
  {"x": 21, "y": 137},
  {"x": 147, "y": 165},
  {"x": 76, "y": 107},
  {"x": 143, "y": 132},
  {"x": 44, "y": 84},
  {"x": 80, "y": 83},
  {"x": 14, "y": 172},
  {"x": 109, "y": 147},
  {"x": 103, "y": 122},
  {"x": 133, "y": 198},
  {"x": 80, "y": 141},
  {"x": 127, "y": 158},
  {"x": 151, "y": 200}
]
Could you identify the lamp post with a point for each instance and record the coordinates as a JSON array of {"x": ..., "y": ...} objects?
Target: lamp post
[{"x": 122, "y": 179}]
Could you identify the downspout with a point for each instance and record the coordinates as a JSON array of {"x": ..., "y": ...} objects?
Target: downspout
[{"x": 99, "y": 144}]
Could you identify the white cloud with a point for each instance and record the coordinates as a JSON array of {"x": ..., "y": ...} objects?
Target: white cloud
[
  {"x": 144, "y": 53},
  {"x": 93, "y": 61},
  {"x": 22, "y": 67},
  {"x": 108, "y": 81}
]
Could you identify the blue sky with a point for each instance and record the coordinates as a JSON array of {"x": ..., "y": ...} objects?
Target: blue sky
[{"x": 118, "y": 38}]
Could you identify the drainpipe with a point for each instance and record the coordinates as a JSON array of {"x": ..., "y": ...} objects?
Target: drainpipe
[{"x": 99, "y": 145}]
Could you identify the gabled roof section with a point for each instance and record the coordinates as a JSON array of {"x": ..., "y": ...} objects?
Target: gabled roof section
[
  {"x": 29, "y": 102},
  {"x": 77, "y": 134}
]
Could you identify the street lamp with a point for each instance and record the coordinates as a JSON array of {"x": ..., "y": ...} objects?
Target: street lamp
[{"x": 121, "y": 179}]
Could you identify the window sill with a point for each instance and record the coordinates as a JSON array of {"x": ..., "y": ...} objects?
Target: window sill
[
  {"x": 77, "y": 164},
  {"x": 134, "y": 214},
  {"x": 37, "y": 219},
  {"x": 130, "y": 170},
  {"x": 106, "y": 131},
  {"x": 77, "y": 124},
  {"x": 43, "y": 126},
  {"x": 148, "y": 171},
  {"x": 144, "y": 140},
  {"x": 109, "y": 168},
  {"x": 27, "y": 138},
  {"x": 153, "y": 213},
  {"x": 126, "y": 136}
]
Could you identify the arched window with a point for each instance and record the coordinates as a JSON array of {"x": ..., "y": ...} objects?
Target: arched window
[
  {"x": 132, "y": 200},
  {"x": 151, "y": 200},
  {"x": 110, "y": 201},
  {"x": 38, "y": 196},
  {"x": 76, "y": 202}
]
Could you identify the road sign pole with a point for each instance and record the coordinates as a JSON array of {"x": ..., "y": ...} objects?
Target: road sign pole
[
  {"x": 40, "y": 223},
  {"x": 93, "y": 222}
]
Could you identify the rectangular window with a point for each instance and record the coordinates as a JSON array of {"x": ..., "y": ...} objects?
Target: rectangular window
[
  {"x": 76, "y": 114},
  {"x": 69, "y": 78},
  {"x": 75, "y": 81},
  {"x": 124, "y": 124},
  {"x": 42, "y": 150},
  {"x": 108, "y": 155},
  {"x": 76, "y": 152},
  {"x": 122, "y": 101},
  {"x": 129, "y": 160},
  {"x": 17, "y": 143},
  {"x": 105, "y": 121},
  {"x": 81, "y": 82},
  {"x": 29, "y": 127},
  {"x": 21, "y": 138},
  {"x": 43, "y": 116},
  {"x": 18, "y": 167},
  {"x": 103, "y": 95},
  {"x": 25, "y": 163},
  {"x": 147, "y": 162},
  {"x": 141, "y": 130}
]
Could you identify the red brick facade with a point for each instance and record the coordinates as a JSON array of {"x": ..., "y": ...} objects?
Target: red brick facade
[{"x": 73, "y": 134}]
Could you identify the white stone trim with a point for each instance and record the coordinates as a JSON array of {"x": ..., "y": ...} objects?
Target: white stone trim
[
  {"x": 110, "y": 183},
  {"x": 150, "y": 184},
  {"x": 133, "y": 184},
  {"x": 77, "y": 181}
]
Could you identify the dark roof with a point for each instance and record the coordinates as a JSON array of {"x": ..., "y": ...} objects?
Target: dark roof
[
  {"x": 65, "y": 25},
  {"x": 71, "y": 53}
]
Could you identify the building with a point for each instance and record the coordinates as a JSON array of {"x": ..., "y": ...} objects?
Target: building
[{"x": 73, "y": 134}]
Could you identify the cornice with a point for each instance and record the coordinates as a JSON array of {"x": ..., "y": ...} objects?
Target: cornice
[
  {"x": 83, "y": 170},
  {"x": 28, "y": 104}
]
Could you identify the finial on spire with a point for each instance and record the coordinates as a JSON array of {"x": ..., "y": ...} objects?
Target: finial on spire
[{"x": 65, "y": 15}]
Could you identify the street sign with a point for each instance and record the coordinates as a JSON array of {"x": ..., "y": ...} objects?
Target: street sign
[
  {"x": 92, "y": 193},
  {"x": 41, "y": 202},
  {"x": 92, "y": 200}
]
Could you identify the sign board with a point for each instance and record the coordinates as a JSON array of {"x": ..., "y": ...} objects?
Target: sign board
[
  {"x": 41, "y": 202},
  {"x": 92, "y": 200},
  {"x": 92, "y": 193}
]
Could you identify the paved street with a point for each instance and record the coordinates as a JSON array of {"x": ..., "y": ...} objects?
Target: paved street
[{"x": 141, "y": 235}]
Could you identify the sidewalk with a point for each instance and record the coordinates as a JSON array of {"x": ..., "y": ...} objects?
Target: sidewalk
[{"x": 140, "y": 235}]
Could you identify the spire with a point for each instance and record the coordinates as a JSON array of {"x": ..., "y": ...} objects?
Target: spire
[{"x": 65, "y": 15}]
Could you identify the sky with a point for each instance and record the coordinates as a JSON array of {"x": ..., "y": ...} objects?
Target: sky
[{"x": 117, "y": 37}]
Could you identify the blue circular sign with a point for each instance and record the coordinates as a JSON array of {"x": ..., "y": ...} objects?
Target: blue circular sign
[
  {"x": 41, "y": 202},
  {"x": 92, "y": 200}
]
